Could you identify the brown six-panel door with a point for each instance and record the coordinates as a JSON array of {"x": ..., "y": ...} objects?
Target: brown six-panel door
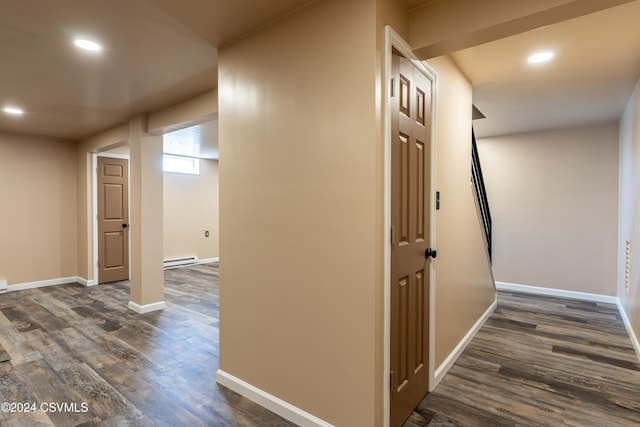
[
  {"x": 113, "y": 219},
  {"x": 410, "y": 198}
]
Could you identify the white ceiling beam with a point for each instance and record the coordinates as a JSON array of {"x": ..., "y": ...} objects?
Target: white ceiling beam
[
  {"x": 193, "y": 111},
  {"x": 443, "y": 27}
]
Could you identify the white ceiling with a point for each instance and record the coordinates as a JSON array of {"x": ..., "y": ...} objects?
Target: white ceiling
[
  {"x": 156, "y": 53},
  {"x": 590, "y": 80},
  {"x": 159, "y": 52}
]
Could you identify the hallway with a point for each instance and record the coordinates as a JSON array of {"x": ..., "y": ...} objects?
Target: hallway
[{"x": 541, "y": 361}]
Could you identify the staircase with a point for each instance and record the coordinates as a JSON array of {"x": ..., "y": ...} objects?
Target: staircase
[{"x": 480, "y": 193}]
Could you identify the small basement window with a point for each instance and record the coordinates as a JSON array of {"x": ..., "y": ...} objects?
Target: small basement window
[{"x": 181, "y": 164}]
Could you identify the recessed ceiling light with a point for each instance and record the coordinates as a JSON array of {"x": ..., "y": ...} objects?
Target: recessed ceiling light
[
  {"x": 540, "y": 57},
  {"x": 14, "y": 111},
  {"x": 86, "y": 44}
]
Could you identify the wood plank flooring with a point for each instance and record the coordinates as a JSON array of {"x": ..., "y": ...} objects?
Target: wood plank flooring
[
  {"x": 538, "y": 361},
  {"x": 541, "y": 361},
  {"x": 4, "y": 356},
  {"x": 81, "y": 346}
]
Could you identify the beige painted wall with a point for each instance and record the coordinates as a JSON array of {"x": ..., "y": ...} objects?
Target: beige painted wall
[
  {"x": 464, "y": 284},
  {"x": 629, "y": 211},
  {"x": 38, "y": 215},
  {"x": 553, "y": 198},
  {"x": 301, "y": 211},
  {"x": 301, "y": 204},
  {"x": 191, "y": 208}
]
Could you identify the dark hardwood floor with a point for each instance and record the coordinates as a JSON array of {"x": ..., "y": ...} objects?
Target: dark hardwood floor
[
  {"x": 112, "y": 367},
  {"x": 538, "y": 361},
  {"x": 541, "y": 361}
]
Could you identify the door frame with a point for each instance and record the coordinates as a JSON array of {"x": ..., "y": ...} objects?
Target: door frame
[
  {"x": 94, "y": 191},
  {"x": 393, "y": 40}
]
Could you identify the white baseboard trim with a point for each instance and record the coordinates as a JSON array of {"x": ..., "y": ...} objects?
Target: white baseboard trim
[
  {"x": 269, "y": 401},
  {"x": 86, "y": 282},
  {"x": 209, "y": 260},
  {"x": 442, "y": 370},
  {"x": 585, "y": 296},
  {"x": 3, "y": 286},
  {"x": 630, "y": 331},
  {"x": 147, "y": 308},
  {"x": 43, "y": 283}
]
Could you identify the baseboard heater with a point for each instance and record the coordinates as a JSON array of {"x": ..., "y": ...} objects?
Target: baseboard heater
[{"x": 180, "y": 262}]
